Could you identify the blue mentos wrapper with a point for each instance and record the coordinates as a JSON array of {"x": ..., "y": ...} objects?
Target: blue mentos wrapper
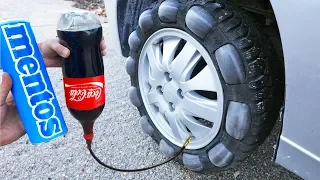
[{"x": 32, "y": 90}]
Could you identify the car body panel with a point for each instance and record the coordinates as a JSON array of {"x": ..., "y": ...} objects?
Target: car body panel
[
  {"x": 111, "y": 8},
  {"x": 299, "y": 144}
]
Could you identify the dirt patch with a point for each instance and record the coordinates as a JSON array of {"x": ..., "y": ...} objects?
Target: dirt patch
[{"x": 96, "y": 6}]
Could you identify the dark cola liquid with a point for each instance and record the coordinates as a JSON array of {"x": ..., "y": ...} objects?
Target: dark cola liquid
[{"x": 84, "y": 61}]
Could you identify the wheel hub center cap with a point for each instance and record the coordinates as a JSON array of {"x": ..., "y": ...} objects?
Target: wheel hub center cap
[{"x": 169, "y": 92}]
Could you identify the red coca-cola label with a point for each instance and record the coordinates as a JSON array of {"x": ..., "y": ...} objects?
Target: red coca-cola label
[{"x": 84, "y": 93}]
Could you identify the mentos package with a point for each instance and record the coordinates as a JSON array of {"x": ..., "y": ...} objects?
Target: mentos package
[{"x": 32, "y": 90}]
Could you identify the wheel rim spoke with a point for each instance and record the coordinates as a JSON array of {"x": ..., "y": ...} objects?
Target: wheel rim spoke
[
  {"x": 176, "y": 126},
  {"x": 155, "y": 82},
  {"x": 156, "y": 99},
  {"x": 152, "y": 81},
  {"x": 202, "y": 81},
  {"x": 153, "y": 97},
  {"x": 200, "y": 107},
  {"x": 160, "y": 117},
  {"x": 170, "y": 46},
  {"x": 190, "y": 67},
  {"x": 197, "y": 128},
  {"x": 155, "y": 56},
  {"x": 180, "y": 63}
]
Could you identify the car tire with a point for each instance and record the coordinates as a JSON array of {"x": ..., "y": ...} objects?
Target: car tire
[{"x": 247, "y": 67}]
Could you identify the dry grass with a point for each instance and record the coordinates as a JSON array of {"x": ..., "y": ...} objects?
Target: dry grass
[{"x": 96, "y": 6}]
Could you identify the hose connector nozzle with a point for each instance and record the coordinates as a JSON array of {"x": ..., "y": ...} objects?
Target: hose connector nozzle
[
  {"x": 187, "y": 142},
  {"x": 88, "y": 138}
]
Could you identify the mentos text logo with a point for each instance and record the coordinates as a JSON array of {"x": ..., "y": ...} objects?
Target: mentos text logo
[{"x": 40, "y": 99}]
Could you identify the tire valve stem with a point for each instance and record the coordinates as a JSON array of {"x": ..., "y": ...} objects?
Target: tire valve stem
[
  {"x": 88, "y": 138},
  {"x": 187, "y": 141}
]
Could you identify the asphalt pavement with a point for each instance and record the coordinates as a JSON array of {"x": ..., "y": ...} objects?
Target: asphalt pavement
[{"x": 118, "y": 138}]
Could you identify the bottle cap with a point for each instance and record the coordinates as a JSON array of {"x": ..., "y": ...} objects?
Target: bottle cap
[{"x": 78, "y": 21}]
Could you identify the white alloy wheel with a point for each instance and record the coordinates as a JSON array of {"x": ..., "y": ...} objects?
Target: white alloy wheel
[{"x": 173, "y": 71}]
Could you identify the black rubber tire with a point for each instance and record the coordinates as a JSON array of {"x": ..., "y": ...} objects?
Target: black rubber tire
[{"x": 248, "y": 68}]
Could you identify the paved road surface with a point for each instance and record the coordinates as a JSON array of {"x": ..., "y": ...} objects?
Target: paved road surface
[{"x": 118, "y": 139}]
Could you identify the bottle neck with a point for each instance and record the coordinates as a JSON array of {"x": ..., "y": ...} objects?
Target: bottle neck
[{"x": 88, "y": 131}]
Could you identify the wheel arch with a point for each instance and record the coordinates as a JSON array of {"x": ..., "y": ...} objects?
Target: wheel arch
[
  {"x": 124, "y": 17},
  {"x": 123, "y": 20}
]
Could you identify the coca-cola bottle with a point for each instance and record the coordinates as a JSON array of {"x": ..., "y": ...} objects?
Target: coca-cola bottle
[{"x": 83, "y": 70}]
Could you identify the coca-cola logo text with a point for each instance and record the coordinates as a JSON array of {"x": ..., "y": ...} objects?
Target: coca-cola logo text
[{"x": 79, "y": 92}]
